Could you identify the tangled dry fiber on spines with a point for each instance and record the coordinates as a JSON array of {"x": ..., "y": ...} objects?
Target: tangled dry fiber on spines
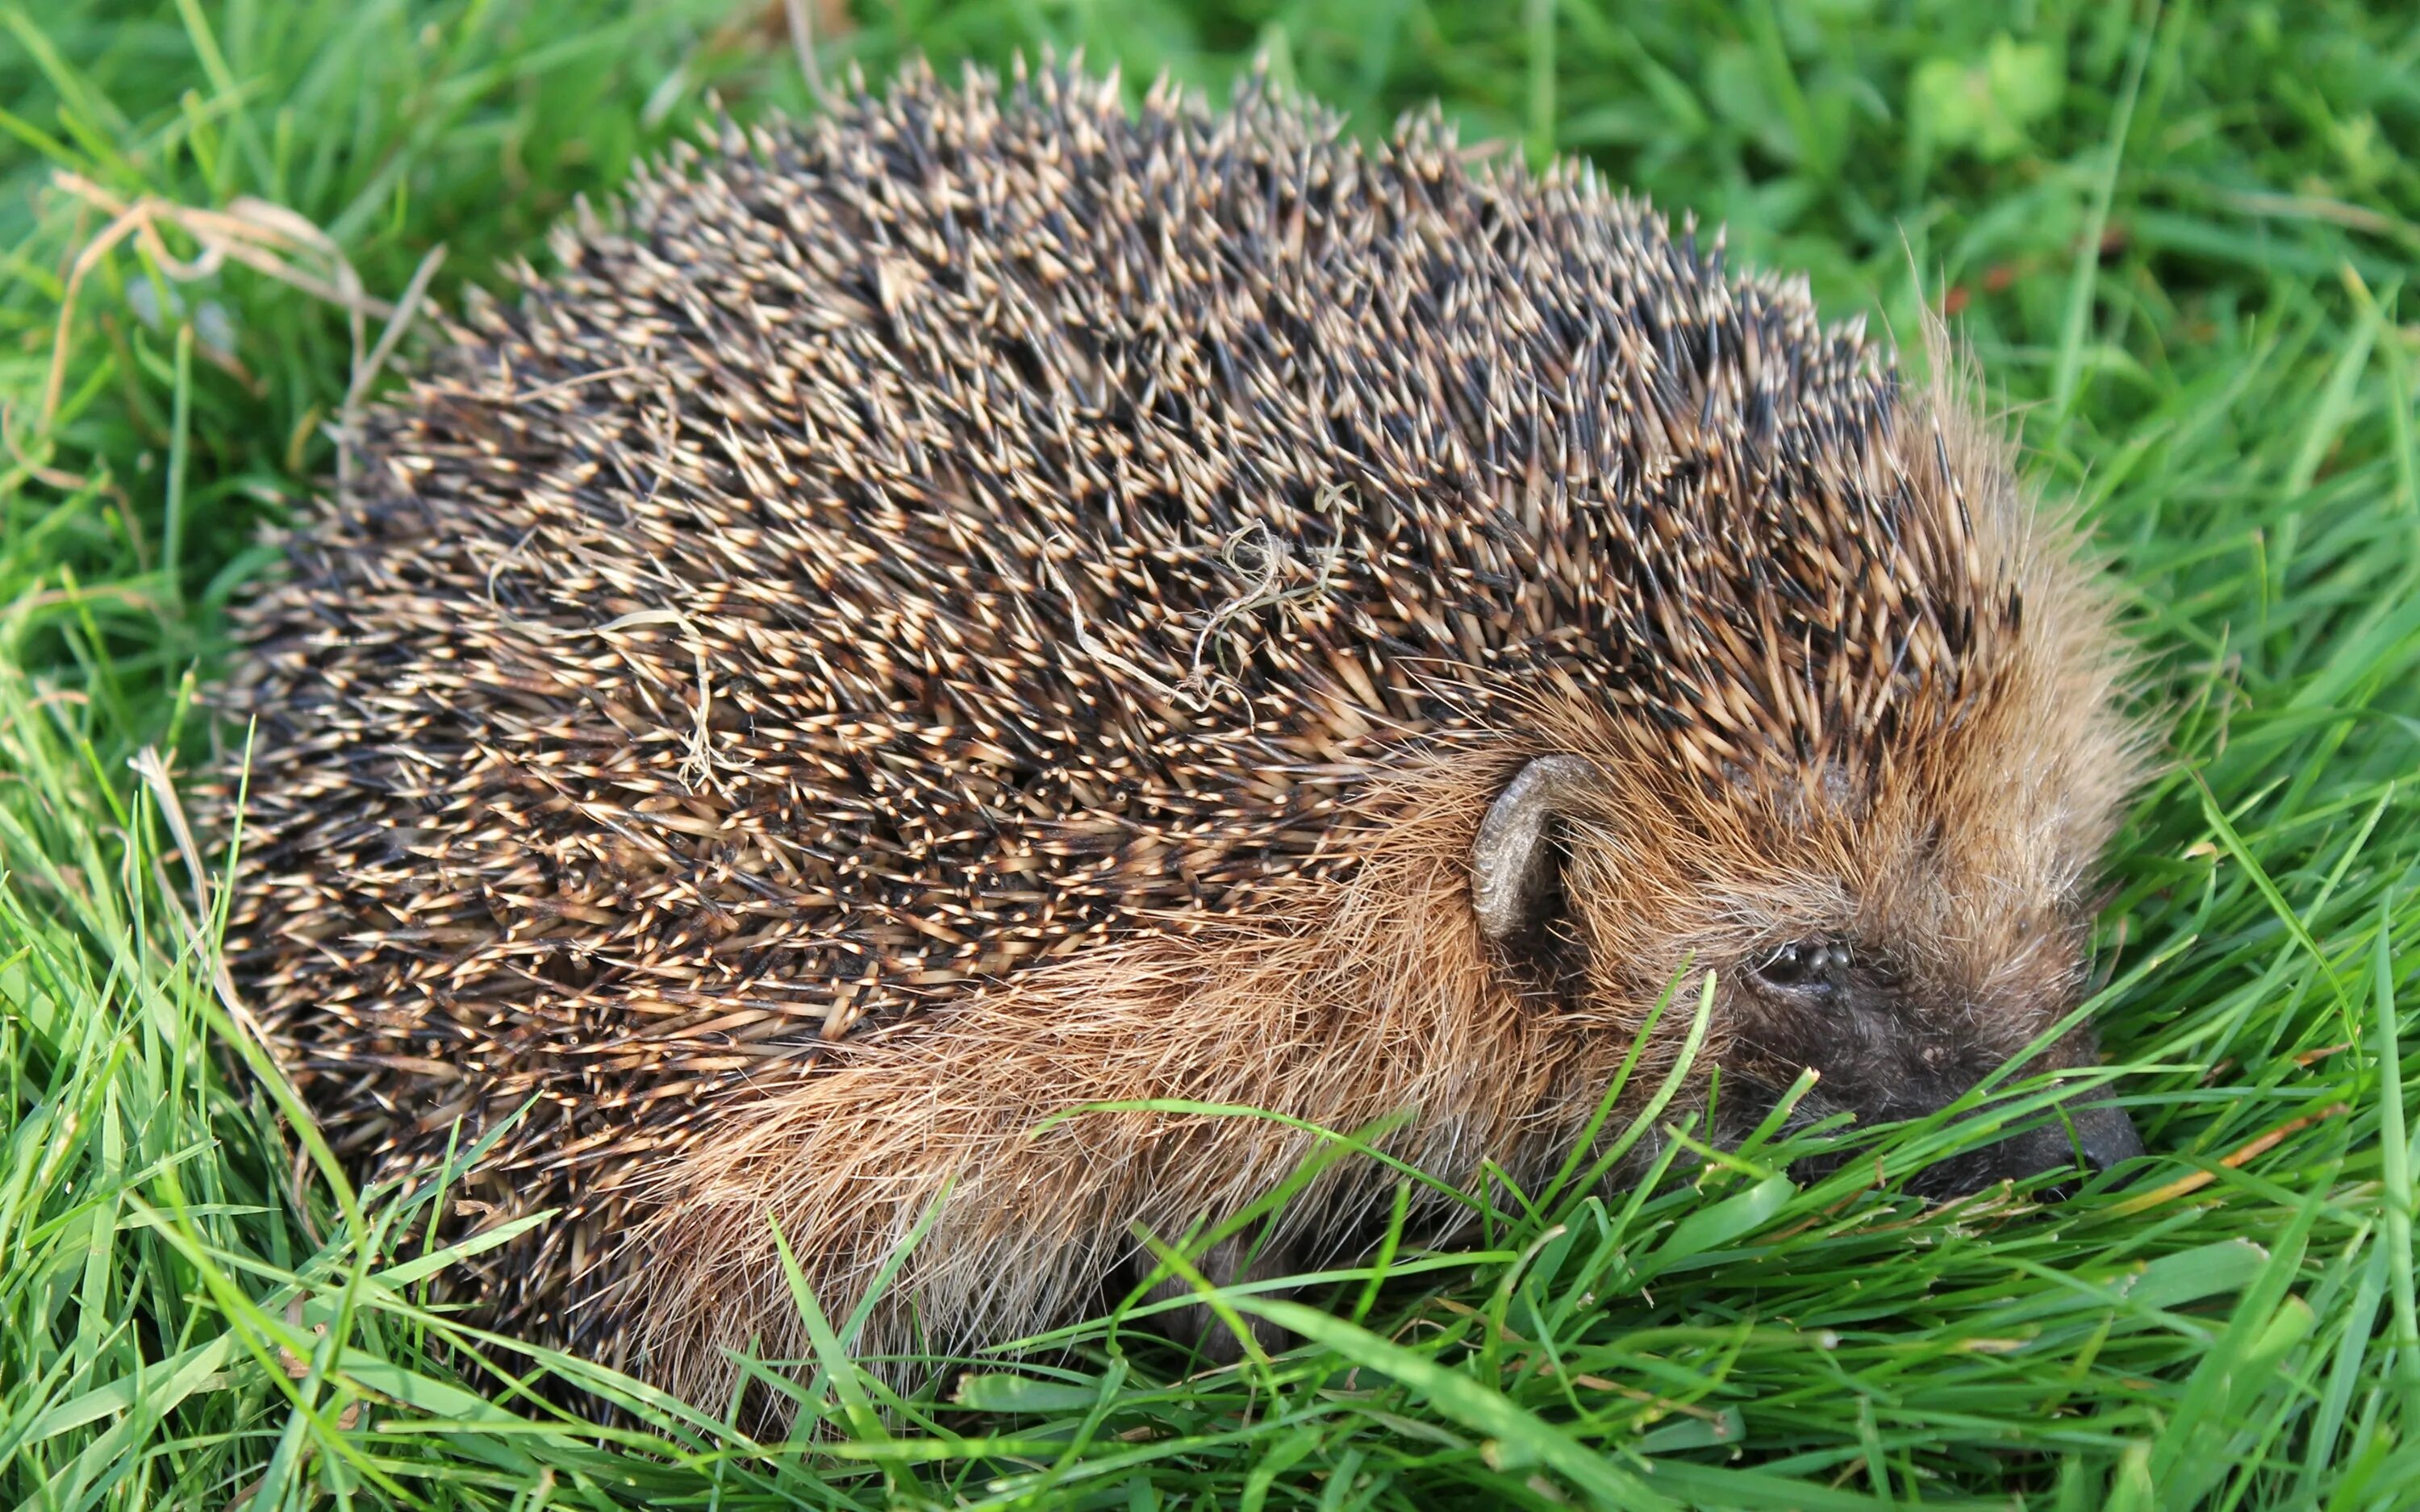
[{"x": 986, "y": 603}]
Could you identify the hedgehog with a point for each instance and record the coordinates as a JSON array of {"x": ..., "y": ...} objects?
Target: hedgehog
[{"x": 996, "y": 602}]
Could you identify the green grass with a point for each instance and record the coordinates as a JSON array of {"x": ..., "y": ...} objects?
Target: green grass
[{"x": 2176, "y": 237}]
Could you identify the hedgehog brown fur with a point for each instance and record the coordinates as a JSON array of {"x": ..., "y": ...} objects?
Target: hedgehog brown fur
[{"x": 987, "y": 604}]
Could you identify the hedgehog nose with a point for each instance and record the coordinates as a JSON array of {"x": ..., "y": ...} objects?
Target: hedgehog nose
[{"x": 2106, "y": 1137}]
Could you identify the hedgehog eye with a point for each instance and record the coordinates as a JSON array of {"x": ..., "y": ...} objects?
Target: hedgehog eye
[
  {"x": 1785, "y": 967},
  {"x": 1804, "y": 965}
]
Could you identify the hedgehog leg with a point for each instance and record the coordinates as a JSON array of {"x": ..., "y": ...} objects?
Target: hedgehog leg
[{"x": 1231, "y": 1261}]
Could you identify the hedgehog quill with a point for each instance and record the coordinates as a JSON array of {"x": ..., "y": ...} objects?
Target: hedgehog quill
[{"x": 989, "y": 603}]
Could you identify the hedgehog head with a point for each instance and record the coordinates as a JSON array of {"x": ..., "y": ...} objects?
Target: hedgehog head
[{"x": 1883, "y": 845}]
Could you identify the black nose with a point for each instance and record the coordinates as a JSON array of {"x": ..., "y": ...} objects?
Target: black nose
[{"x": 2105, "y": 1136}]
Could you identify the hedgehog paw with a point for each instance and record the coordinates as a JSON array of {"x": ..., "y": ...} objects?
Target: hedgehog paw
[{"x": 1197, "y": 1327}]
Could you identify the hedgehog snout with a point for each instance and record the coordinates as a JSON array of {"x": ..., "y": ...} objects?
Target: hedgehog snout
[
  {"x": 2097, "y": 1135},
  {"x": 2106, "y": 1137},
  {"x": 2088, "y": 1128}
]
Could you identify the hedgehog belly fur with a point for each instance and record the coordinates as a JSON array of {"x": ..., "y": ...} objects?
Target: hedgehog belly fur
[{"x": 987, "y": 603}]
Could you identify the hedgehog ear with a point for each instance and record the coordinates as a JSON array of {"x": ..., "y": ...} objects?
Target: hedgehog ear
[{"x": 1513, "y": 861}]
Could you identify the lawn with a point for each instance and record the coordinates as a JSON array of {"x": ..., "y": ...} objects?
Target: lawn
[{"x": 2176, "y": 237}]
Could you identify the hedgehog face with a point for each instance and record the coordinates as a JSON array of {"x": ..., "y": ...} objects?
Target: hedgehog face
[
  {"x": 1897, "y": 1028},
  {"x": 1903, "y": 946}
]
